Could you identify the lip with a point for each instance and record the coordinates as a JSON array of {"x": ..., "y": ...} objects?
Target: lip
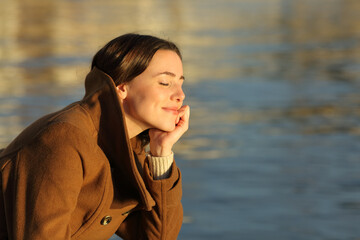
[{"x": 173, "y": 110}]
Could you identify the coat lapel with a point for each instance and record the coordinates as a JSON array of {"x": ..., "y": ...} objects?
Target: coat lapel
[{"x": 102, "y": 103}]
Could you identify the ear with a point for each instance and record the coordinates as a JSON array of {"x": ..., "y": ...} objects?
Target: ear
[{"x": 122, "y": 90}]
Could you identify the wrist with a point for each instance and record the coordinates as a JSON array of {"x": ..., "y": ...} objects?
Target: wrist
[
  {"x": 160, "y": 167},
  {"x": 160, "y": 151}
]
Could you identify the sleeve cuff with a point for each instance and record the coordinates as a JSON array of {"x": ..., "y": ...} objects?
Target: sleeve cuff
[{"x": 160, "y": 167}]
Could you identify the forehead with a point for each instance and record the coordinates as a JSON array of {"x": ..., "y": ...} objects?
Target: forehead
[{"x": 166, "y": 60}]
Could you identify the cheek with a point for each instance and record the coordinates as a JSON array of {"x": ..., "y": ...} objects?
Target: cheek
[
  {"x": 149, "y": 102},
  {"x": 145, "y": 105},
  {"x": 155, "y": 98},
  {"x": 135, "y": 105}
]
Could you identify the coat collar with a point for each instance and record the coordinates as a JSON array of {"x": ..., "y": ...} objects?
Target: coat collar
[{"x": 106, "y": 111}]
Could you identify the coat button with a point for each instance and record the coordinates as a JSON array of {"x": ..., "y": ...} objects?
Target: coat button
[{"x": 106, "y": 220}]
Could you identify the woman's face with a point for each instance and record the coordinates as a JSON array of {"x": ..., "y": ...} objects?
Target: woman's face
[{"x": 151, "y": 99}]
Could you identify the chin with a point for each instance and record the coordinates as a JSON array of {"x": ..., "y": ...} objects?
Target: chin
[{"x": 167, "y": 128}]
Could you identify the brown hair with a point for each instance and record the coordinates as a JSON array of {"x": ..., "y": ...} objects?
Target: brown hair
[{"x": 127, "y": 56}]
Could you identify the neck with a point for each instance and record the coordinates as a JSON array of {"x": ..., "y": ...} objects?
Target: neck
[{"x": 132, "y": 127}]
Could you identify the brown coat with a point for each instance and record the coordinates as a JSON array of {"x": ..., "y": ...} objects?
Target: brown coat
[{"x": 74, "y": 174}]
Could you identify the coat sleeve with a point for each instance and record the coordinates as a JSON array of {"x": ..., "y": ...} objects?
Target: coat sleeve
[
  {"x": 46, "y": 180},
  {"x": 165, "y": 219}
]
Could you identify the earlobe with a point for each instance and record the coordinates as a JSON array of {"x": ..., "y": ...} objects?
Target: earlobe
[{"x": 122, "y": 91}]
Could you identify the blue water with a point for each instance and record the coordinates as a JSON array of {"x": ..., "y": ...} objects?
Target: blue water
[{"x": 273, "y": 147}]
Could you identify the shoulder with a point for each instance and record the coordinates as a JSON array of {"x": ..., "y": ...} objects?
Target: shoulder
[
  {"x": 57, "y": 144},
  {"x": 76, "y": 116},
  {"x": 58, "y": 140}
]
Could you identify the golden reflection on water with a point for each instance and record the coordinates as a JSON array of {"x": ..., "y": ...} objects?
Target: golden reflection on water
[
  {"x": 53, "y": 41},
  {"x": 273, "y": 87}
]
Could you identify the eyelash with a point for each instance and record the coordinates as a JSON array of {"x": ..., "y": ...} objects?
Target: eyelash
[{"x": 164, "y": 84}]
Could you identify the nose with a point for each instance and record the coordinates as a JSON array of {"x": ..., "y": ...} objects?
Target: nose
[{"x": 178, "y": 95}]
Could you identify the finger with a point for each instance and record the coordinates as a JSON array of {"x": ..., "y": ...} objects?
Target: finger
[
  {"x": 183, "y": 123},
  {"x": 187, "y": 112},
  {"x": 180, "y": 114},
  {"x": 183, "y": 113},
  {"x": 177, "y": 119}
]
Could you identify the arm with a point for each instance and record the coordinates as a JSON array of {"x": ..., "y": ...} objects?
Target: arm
[
  {"x": 165, "y": 219},
  {"x": 46, "y": 182}
]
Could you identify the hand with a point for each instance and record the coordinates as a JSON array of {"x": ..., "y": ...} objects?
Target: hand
[{"x": 162, "y": 142}]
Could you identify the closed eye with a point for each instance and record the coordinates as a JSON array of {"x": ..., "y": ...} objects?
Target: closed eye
[{"x": 164, "y": 84}]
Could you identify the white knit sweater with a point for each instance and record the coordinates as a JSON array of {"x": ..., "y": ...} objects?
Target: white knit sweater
[{"x": 161, "y": 166}]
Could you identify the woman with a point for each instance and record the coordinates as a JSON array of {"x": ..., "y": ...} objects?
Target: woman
[{"x": 82, "y": 172}]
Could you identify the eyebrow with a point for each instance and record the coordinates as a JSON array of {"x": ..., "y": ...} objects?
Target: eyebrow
[{"x": 171, "y": 74}]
